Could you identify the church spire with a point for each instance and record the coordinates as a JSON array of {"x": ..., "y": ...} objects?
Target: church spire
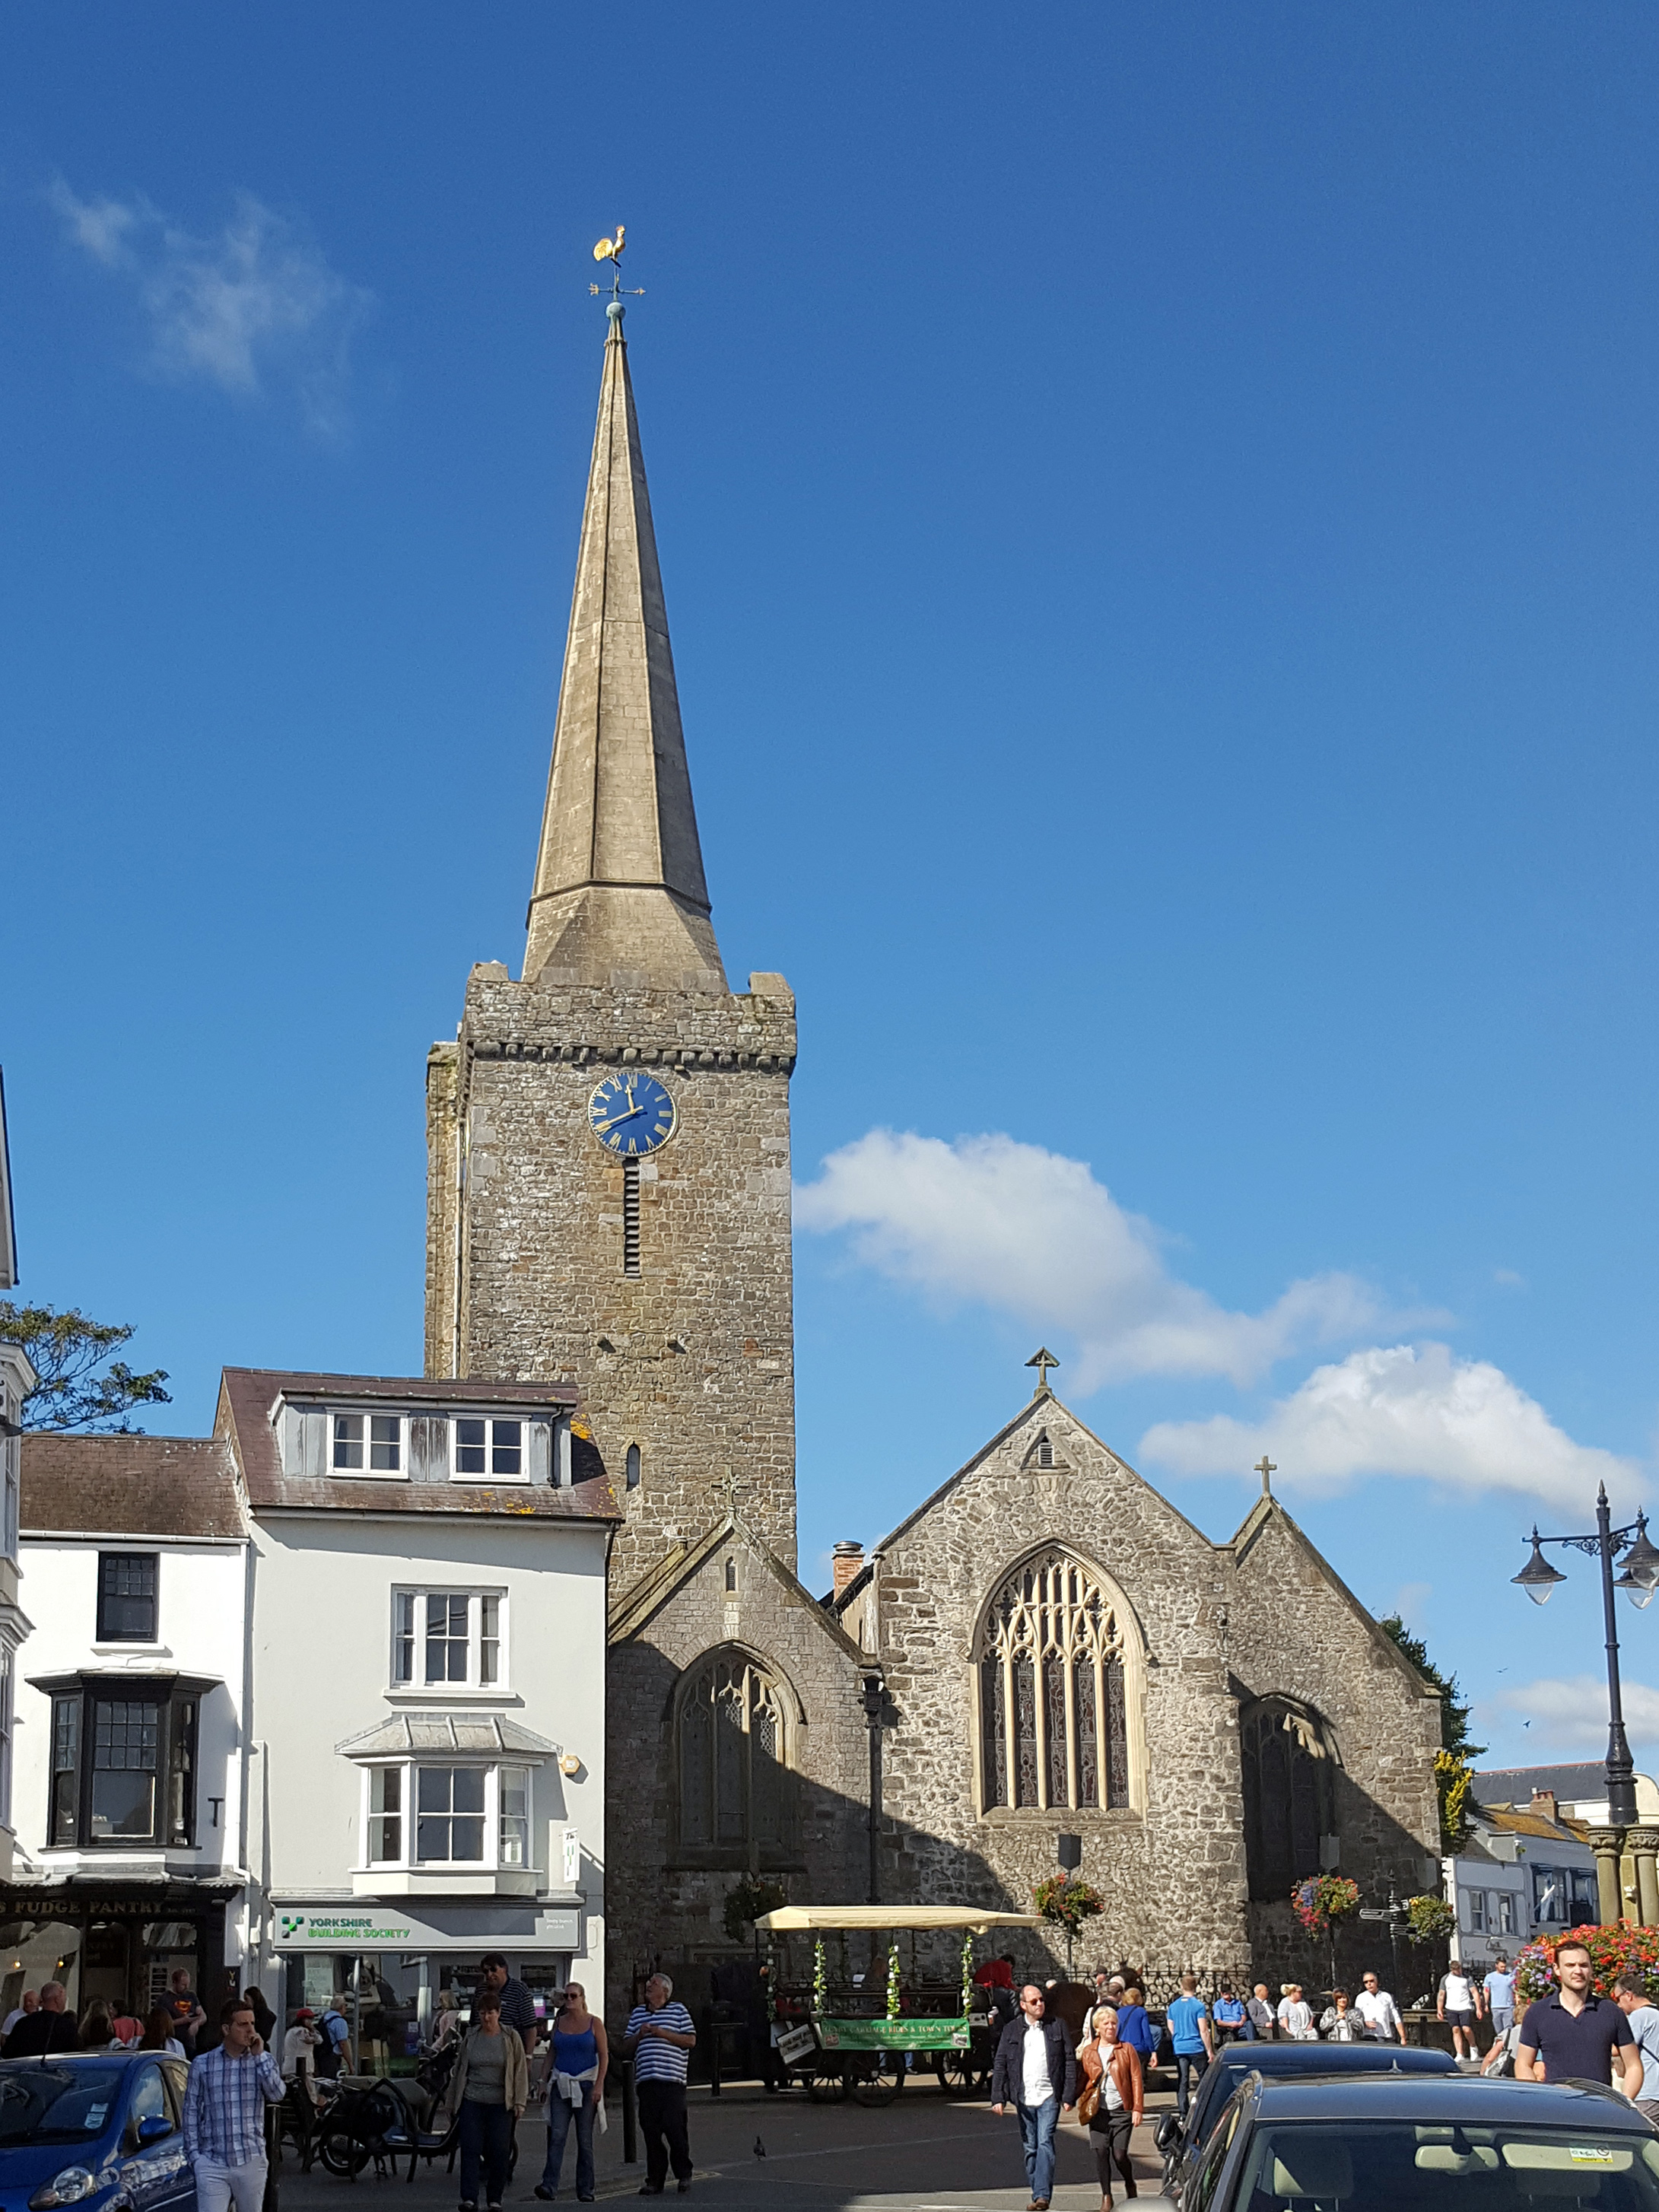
[{"x": 619, "y": 881}]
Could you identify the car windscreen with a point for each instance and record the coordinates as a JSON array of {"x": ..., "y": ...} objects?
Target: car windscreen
[
  {"x": 41, "y": 2103},
  {"x": 1353, "y": 2166}
]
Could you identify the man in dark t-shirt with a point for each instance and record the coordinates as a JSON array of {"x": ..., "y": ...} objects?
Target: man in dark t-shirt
[
  {"x": 52, "y": 2029},
  {"x": 1576, "y": 2036}
]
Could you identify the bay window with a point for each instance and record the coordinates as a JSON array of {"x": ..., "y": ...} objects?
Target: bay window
[
  {"x": 432, "y": 1814},
  {"x": 124, "y": 1759}
]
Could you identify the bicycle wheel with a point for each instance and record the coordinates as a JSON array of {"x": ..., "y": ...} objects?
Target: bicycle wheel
[
  {"x": 880, "y": 2080},
  {"x": 343, "y": 2154}
]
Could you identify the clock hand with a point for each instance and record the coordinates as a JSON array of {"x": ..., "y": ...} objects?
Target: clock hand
[{"x": 616, "y": 1120}]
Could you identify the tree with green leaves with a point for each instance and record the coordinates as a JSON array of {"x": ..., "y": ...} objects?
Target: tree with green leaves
[
  {"x": 66, "y": 1351},
  {"x": 1453, "y": 1769}
]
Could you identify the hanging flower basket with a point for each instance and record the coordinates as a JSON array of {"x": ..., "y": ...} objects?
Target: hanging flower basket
[
  {"x": 747, "y": 1900},
  {"x": 1321, "y": 1899},
  {"x": 1068, "y": 1904},
  {"x": 1429, "y": 1917}
]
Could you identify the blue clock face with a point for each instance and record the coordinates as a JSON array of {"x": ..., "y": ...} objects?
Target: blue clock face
[{"x": 631, "y": 1113}]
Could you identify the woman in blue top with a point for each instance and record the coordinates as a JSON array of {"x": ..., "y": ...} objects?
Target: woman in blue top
[
  {"x": 575, "y": 2090},
  {"x": 1134, "y": 2028}
]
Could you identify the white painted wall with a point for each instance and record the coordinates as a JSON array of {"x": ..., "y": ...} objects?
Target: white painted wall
[
  {"x": 323, "y": 1586},
  {"x": 201, "y": 1590}
]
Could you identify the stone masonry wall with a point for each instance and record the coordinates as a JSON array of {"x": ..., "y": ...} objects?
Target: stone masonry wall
[
  {"x": 665, "y": 1904},
  {"x": 1171, "y": 1869},
  {"x": 1219, "y": 1623},
  {"x": 693, "y": 1360},
  {"x": 1295, "y": 1631}
]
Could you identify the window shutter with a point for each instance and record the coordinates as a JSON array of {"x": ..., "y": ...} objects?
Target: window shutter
[
  {"x": 428, "y": 1448},
  {"x": 313, "y": 1442},
  {"x": 540, "y": 1454}
]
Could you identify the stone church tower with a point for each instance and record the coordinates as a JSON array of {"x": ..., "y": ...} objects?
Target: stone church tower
[
  {"x": 609, "y": 1136},
  {"x": 608, "y": 1204}
]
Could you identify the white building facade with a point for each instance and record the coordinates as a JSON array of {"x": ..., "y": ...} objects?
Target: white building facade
[
  {"x": 129, "y": 1787},
  {"x": 426, "y": 1654}
]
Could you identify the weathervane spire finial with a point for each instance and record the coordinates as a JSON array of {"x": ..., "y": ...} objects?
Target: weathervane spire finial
[{"x": 611, "y": 250}]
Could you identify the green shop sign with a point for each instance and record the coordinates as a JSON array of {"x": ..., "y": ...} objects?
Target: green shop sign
[{"x": 893, "y": 2034}]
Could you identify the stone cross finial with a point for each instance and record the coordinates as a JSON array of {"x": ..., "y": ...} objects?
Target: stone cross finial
[
  {"x": 729, "y": 1488},
  {"x": 1042, "y": 1360},
  {"x": 1265, "y": 1468}
]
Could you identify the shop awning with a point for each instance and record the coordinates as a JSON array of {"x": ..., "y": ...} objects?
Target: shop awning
[{"x": 791, "y": 1919}]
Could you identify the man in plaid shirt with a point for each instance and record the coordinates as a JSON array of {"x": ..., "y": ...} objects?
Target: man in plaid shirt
[{"x": 225, "y": 2101}]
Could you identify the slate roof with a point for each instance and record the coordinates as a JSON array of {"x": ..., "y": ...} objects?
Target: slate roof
[
  {"x": 1514, "y": 1785},
  {"x": 130, "y": 1486},
  {"x": 1530, "y": 1824},
  {"x": 248, "y": 1397},
  {"x": 491, "y": 1733}
]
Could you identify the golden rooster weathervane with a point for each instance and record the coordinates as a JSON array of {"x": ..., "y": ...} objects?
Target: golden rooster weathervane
[{"x": 611, "y": 250}]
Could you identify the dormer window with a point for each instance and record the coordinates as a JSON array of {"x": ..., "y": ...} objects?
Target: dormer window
[
  {"x": 489, "y": 1450},
  {"x": 368, "y": 1444}
]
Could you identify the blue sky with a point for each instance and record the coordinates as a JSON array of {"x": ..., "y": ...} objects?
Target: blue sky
[{"x": 1157, "y": 510}]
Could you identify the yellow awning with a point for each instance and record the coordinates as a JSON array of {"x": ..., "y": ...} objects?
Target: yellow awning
[{"x": 791, "y": 1919}]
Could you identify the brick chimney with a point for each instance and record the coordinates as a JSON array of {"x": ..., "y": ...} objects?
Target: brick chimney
[
  {"x": 1543, "y": 1803},
  {"x": 848, "y": 1557}
]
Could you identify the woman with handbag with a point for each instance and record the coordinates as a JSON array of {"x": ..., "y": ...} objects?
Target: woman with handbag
[{"x": 1113, "y": 2102}]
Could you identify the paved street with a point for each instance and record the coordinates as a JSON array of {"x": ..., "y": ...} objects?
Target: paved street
[{"x": 925, "y": 2153}]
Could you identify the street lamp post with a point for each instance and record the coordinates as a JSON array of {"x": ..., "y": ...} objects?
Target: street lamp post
[{"x": 1638, "y": 1581}]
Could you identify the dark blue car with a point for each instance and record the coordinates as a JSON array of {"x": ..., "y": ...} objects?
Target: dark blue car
[{"x": 99, "y": 2129}]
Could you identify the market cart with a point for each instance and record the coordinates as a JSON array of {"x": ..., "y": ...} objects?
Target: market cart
[{"x": 846, "y": 2028}]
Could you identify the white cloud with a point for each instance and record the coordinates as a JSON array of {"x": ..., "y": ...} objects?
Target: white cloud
[
  {"x": 1404, "y": 1410},
  {"x": 1572, "y": 1715},
  {"x": 253, "y": 309},
  {"x": 1032, "y": 1235}
]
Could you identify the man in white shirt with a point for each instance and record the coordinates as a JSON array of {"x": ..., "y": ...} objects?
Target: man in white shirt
[
  {"x": 1632, "y": 1999},
  {"x": 1458, "y": 2003},
  {"x": 1379, "y": 2012},
  {"x": 1036, "y": 2072}
]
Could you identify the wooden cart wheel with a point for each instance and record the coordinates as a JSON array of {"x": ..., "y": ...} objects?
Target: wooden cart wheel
[
  {"x": 959, "y": 2076},
  {"x": 879, "y": 2078},
  {"x": 826, "y": 2079}
]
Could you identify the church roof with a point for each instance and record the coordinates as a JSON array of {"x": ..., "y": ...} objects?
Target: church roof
[{"x": 619, "y": 880}]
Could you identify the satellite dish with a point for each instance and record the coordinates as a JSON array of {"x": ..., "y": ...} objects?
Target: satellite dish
[{"x": 605, "y": 249}]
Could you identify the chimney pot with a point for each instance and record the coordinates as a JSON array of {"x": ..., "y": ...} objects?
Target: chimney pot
[
  {"x": 1543, "y": 1803},
  {"x": 849, "y": 1557}
]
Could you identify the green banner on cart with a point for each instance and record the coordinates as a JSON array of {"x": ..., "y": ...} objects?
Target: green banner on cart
[{"x": 893, "y": 2034}]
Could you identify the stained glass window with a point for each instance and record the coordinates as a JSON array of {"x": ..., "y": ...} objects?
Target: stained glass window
[{"x": 1052, "y": 1723}]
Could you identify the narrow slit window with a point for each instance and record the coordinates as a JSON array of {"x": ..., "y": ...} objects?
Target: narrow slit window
[
  {"x": 633, "y": 1466},
  {"x": 630, "y": 1217}
]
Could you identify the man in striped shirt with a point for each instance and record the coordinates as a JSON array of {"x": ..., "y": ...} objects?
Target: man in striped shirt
[
  {"x": 225, "y": 2101},
  {"x": 660, "y": 2040}
]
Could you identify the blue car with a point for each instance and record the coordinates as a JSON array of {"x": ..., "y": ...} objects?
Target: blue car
[{"x": 98, "y": 2129}]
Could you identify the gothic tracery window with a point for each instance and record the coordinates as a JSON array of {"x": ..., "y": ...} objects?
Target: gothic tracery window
[
  {"x": 732, "y": 1747},
  {"x": 1052, "y": 1719},
  {"x": 1289, "y": 1784}
]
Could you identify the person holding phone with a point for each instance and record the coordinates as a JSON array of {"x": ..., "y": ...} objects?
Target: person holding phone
[{"x": 225, "y": 2101}]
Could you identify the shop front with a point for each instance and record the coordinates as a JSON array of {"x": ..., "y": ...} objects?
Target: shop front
[
  {"x": 121, "y": 1941},
  {"x": 388, "y": 1969}
]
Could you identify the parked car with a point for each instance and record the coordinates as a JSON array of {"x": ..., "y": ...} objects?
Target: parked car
[
  {"x": 1379, "y": 2142},
  {"x": 1182, "y": 2142},
  {"x": 99, "y": 2129}
]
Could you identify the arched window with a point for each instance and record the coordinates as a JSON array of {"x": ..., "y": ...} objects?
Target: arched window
[
  {"x": 733, "y": 1756},
  {"x": 632, "y": 1465},
  {"x": 1052, "y": 1721},
  {"x": 1289, "y": 1778}
]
